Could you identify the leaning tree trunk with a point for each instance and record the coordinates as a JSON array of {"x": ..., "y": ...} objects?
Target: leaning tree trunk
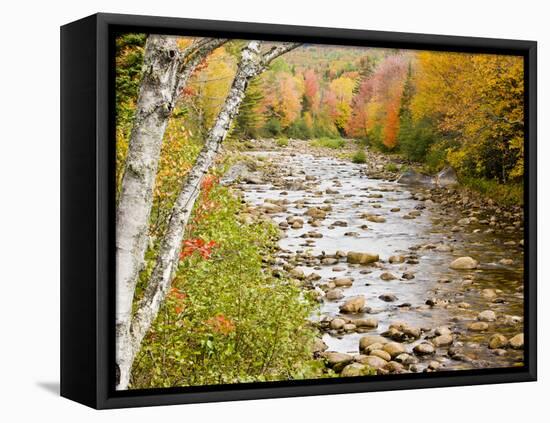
[
  {"x": 251, "y": 64},
  {"x": 166, "y": 72}
]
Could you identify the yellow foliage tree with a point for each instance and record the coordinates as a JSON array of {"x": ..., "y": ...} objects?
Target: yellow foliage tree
[
  {"x": 213, "y": 84},
  {"x": 342, "y": 88},
  {"x": 476, "y": 100}
]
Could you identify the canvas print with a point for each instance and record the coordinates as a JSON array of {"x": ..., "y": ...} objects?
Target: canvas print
[{"x": 290, "y": 211}]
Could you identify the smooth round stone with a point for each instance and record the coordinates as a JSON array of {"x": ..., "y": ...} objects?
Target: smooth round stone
[
  {"x": 382, "y": 354},
  {"x": 478, "y": 326},
  {"x": 394, "y": 349},
  {"x": 337, "y": 323},
  {"x": 497, "y": 341},
  {"x": 424, "y": 349}
]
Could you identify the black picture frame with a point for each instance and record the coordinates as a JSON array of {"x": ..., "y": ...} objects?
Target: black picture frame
[{"x": 87, "y": 210}]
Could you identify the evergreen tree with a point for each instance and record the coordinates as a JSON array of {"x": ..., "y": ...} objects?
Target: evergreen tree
[
  {"x": 129, "y": 60},
  {"x": 414, "y": 139},
  {"x": 248, "y": 120},
  {"x": 366, "y": 69},
  {"x": 408, "y": 93}
]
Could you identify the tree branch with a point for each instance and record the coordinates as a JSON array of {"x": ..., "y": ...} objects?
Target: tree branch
[
  {"x": 197, "y": 56},
  {"x": 277, "y": 51}
]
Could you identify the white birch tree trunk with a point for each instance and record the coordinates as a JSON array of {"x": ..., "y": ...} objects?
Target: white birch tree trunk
[
  {"x": 166, "y": 72},
  {"x": 251, "y": 64}
]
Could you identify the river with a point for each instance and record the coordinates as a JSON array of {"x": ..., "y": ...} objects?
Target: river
[{"x": 431, "y": 295}]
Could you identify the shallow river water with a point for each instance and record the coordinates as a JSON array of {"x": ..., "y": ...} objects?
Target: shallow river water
[{"x": 351, "y": 194}]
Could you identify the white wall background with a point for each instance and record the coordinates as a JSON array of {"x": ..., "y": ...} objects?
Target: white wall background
[{"x": 29, "y": 211}]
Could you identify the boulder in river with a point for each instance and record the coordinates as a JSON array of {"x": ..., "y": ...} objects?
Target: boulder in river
[
  {"x": 478, "y": 326},
  {"x": 373, "y": 361},
  {"x": 394, "y": 349},
  {"x": 488, "y": 293},
  {"x": 316, "y": 213},
  {"x": 406, "y": 359},
  {"x": 291, "y": 219},
  {"x": 252, "y": 178},
  {"x": 362, "y": 258},
  {"x": 464, "y": 263},
  {"x": 395, "y": 367},
  {"x": 337, "y": 323},
  {"x": 369, "y": 322},
  {"x": 355, "y": 369},
  {"x": 434, "y": 365},
  {"x": 412, "y": 177},
  {"x": 329, "y": 261},
  {"x": 497, "y": 341},
  {"x": 313, "y": 277},
  {"x": 443, "y": 340},
  {"x": 334, "y": 294},
  {"x": 368, "y": 340},
  {"x": 338, "y": 360},
  {"x": 387, "y": 276},
  {"x": 384, "y": 355},
  {"x": 424, "y": 348},
  {"x": 516, "y": 342},
  {"x": 319, "y": 345},
  {"x": 349, "y": 327},
  {"x": 509, "y": 320},
  {"x": 297, "y": 224},
  {"x": 442, "y": 330},
  {"x": 353, "y": 305},
  {"x": 487, "y": 316},
  {"x": 312, "y": 234},
  {"x": 297, "y": 274},
  {"x": 373, "y": 347},
  {"x": 272, "y": 208},
  {"x": 387, "y": 297},
  {"x": 244, "y": 172},
  {"x": 404, "y": 331},
  {"x": 343, "y": 282},
  {"x": 374, "y": 218},
  {"x": 396, "y": 259},
  {"x": 446, "y": 178}
]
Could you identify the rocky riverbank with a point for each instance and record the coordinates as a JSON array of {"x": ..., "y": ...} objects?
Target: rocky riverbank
[{"x": 409, "y": 278}]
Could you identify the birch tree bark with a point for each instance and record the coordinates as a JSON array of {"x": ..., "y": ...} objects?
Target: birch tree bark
[
  {"x": 166, "y": 72},
  {"x": 252, "y": 63}
]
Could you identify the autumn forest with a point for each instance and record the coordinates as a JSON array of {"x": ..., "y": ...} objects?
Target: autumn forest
[{"x": 295, "y": 211}]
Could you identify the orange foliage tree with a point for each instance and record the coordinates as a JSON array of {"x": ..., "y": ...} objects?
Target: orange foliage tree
[
  {"x": 311, "y": 91},
  {"x": 375, "y": 106},
  {"x": 391, "y": 128}
]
